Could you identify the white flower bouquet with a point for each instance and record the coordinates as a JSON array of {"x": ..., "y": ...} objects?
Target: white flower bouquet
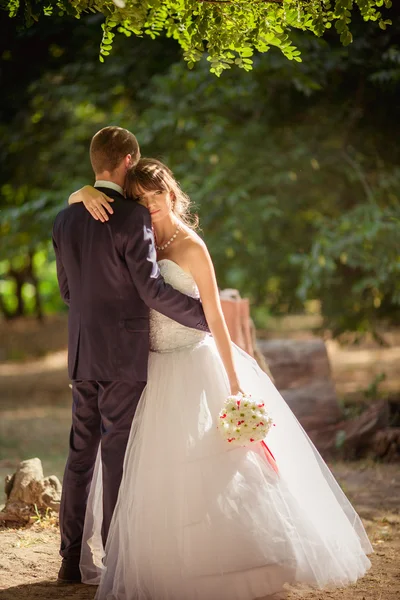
[{"x": 243, "y": 421}]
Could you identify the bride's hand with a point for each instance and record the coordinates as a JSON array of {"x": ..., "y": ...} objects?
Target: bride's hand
[
  {"x": 235, "y": 387},
  {"x": 95, "y": 202}
]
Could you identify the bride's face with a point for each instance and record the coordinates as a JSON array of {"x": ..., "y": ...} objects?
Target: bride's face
[{"x": 158, "y": 202}]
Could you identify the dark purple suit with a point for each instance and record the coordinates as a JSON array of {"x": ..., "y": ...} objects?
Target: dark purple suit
[{"x": 109, "y": 277}]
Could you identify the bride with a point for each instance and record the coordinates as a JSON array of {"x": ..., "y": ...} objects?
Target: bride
[{"x": 198, "y": 519}]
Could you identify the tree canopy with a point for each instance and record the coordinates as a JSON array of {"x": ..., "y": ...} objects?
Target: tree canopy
[
  {"x": 229, "y": 32},
  {"x": 294, "y": 167}
]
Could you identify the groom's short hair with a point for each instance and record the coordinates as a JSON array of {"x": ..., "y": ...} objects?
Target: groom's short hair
[{"x": 109, "y": 146}]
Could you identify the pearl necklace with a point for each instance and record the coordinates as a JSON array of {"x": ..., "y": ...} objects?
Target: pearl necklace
[{"x": 169, "y": 241}]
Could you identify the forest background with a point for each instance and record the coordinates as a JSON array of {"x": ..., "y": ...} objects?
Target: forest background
[{"x": 293, "y": 167}]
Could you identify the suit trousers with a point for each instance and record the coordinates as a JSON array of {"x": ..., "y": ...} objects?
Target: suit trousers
[{"x": 102, "y": 413}]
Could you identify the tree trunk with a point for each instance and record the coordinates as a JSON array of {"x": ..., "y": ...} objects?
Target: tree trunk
[
  {"x": 35, "y": 283},
  {"x": 19, "y": 279},
  {"x": 21, "y": 276}
]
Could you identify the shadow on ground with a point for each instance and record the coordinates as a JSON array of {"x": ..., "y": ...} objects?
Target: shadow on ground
[{"x": 49, "y": 590}]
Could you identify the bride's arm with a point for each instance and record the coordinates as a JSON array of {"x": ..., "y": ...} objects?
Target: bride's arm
[
  {"x": 95, "y": 202},
  {"x": 203, "y": 272}
]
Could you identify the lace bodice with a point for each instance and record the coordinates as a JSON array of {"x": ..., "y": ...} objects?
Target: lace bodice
[{"x": 165, "y": 333}]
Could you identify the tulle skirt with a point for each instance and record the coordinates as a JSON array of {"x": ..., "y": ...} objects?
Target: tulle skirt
[{"x": 198, "y": 519}]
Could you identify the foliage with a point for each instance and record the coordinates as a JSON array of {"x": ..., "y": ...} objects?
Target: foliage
[
  {"x": 293, "y": 167},
  {"x": 354, "y": 268},
  {"x": 228, "y": 31},
  {"x": 46, "y": 123},
  {"x": 296, "y": 181}
]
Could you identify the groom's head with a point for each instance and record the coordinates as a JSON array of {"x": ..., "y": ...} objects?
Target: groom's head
[{"x": 112, "y": 151}]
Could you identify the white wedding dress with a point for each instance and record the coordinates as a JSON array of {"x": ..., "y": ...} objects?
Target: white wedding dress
[{"x": 197, "y": 519}]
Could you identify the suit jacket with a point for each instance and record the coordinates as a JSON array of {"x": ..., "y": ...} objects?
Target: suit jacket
[{"x": 109, "y": 277}]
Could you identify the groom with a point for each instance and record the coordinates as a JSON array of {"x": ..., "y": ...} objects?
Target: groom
[{"x": 109, "y": 277}]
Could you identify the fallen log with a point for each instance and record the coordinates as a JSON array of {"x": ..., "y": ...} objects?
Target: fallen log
[
  {"x": 352, "y": 438},
  {"x": 386, "y": 444}
]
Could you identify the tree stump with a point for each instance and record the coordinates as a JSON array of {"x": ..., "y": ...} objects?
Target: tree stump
[
  {"x": 240, "y": 325},
  {"x": 302, "y": 374},
  {"x": 237, "y": 316},
  {"x": 29, "y": 492}
]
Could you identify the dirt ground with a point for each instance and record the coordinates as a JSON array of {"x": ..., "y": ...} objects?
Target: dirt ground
[
  {"x": 29, "y": 557},
  {"x": 34, "y": 421}
]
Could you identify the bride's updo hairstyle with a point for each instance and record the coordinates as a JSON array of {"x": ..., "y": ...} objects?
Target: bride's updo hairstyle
[{"x": 150, "y": 175}]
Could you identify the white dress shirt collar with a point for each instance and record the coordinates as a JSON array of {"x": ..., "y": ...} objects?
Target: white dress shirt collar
[{"x": 109, "y": 184}]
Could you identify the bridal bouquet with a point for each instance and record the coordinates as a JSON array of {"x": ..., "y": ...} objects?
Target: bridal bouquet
[{"x": 243, "y": 420}]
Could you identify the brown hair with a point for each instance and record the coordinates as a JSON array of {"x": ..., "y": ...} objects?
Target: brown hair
[
  {"x": 151, "y": 174},
  {"x": 109, "y": 146}
]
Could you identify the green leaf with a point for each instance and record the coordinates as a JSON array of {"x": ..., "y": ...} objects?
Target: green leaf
[{"x": 240, "y": 26}]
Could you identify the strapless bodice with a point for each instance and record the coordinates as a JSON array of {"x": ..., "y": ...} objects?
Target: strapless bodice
[{"x": 166, "y": 334}]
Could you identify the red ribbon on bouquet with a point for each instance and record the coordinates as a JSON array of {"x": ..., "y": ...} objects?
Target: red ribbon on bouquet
[{"x": 269, "y": 456}]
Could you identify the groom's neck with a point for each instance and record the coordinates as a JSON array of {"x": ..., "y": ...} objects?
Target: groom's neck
[{"x": 117, "y": 178}]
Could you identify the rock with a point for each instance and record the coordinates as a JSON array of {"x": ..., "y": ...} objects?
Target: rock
[
  {"x": 28, "y": 491},
  {"x": 301, "y": 372},
  {"x": 9, "y": 482},
  {"x": 26, "y": 487}
]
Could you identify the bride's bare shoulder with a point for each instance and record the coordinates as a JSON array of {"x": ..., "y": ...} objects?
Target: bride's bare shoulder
[
  {"x": 192, "y": 243},
  {"x": 197, "y": 257}
]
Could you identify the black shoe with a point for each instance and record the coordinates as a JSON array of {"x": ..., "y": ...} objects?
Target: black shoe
[{"x": 69, "y": 572}]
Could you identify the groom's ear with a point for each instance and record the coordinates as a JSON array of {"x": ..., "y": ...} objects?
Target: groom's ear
[{"x": 128, "y": 161}]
